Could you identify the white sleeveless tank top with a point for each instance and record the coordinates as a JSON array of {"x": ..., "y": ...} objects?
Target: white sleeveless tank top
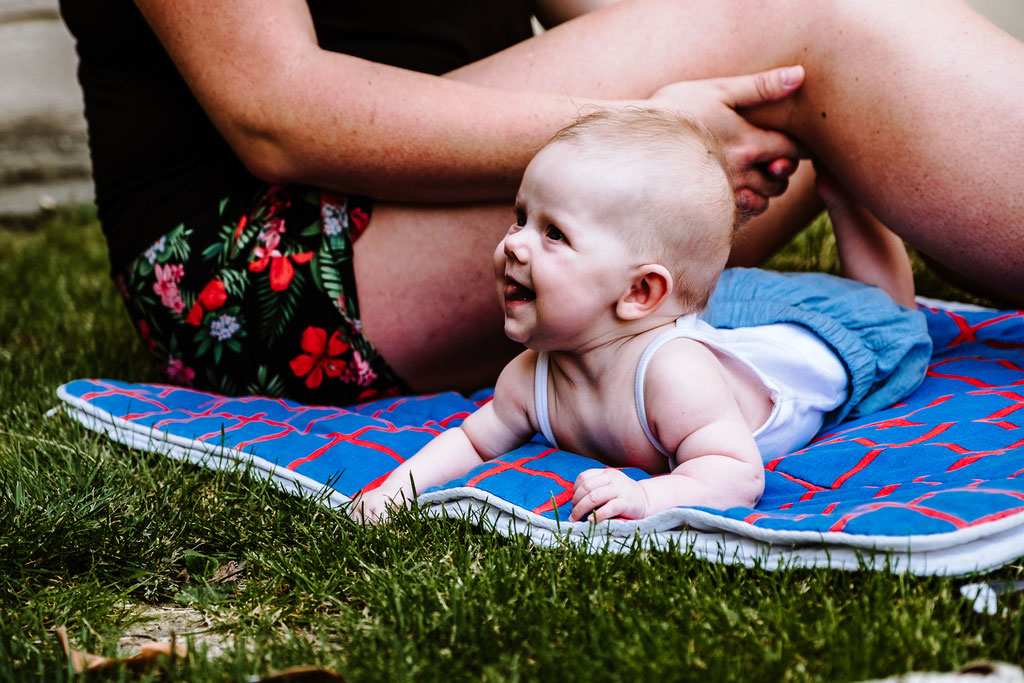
[{"x": 803, "y": 376}]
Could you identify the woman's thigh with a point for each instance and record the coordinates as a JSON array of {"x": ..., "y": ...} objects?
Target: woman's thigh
[
  {"x": 916, "y": 106},
  {"x": 427, "y": 293}
]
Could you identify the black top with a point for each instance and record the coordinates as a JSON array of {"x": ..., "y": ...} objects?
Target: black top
[{"x": 156, "y": 157}]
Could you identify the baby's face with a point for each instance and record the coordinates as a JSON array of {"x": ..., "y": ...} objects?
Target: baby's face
[{"x": 562, "y": 265}]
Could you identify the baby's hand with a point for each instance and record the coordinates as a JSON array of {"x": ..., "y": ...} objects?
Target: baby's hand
[
  {"x": 608, "y": 493},
  {"x": 372, "y": 507}
]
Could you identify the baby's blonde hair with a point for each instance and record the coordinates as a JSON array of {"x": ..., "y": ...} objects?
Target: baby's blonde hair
[{"x": 687, "y": 211}]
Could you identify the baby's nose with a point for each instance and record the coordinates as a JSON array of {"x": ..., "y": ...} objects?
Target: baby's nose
[{"x": 515, "y": 247}]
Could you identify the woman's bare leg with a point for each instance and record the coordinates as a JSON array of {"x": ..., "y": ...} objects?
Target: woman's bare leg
[
  {"x": 427, "y": 294},
  {"x": 923, "y": 125},
  {"x": 426, "y": 284},
  {"x": 916, "y": 107}
]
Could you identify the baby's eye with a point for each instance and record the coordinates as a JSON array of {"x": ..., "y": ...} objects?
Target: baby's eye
[
  {"x": 520, "y": 217},
  {"x": 553, "y": 233}
]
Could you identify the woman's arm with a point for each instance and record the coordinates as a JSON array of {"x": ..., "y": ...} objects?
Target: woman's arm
[
  {"x": 296, "y": 113},
  {"x": 553, "y": 12}
]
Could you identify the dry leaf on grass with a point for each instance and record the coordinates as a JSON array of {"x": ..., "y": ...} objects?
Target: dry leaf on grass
[
  {"x": 229, "y": 572},
  {"x": 151, "y": 656},
  {"x": 303, "y": 674}
]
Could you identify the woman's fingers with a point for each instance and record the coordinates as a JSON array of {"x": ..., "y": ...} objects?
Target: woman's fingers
[
  {"x": 751, "y": 90},
  {"x": 760, "y": 169},
  {"x": 763, "y": 162},
  {"x": 750, "y": 204},
  {"x": 760, "y": 161},
  {"x": 783, "y": 168},
  {"x": 757, "y": 147},
  {"x": 754, "y": 189}
]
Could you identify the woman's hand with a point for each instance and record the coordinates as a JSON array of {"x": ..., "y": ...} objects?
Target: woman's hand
[{"x": 760, "y": 160}]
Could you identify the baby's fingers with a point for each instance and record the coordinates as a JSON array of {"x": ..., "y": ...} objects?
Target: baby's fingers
[
  {"x": 616, "y": 507},
  {"x": 369, "y": 510},
  {"x": 587, "y": 481},
  {"x": 583, "y": 504},
  {"x": 583, "y": 508}
]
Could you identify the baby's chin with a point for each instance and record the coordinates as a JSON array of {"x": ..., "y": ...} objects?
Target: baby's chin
[
  {"x": 531, "y": 341},
  {"x": 516, "y": 335}
]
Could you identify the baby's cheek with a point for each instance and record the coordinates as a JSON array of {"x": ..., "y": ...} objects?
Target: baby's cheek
[{"x": 499, "y": 260}]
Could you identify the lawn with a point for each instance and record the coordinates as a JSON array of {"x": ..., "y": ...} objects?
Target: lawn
[{"x": 120, "y": 546}]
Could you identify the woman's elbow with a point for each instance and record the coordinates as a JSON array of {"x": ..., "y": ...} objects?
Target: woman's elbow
[
  {"x": 265, "y": 157},
  {"x": 259, "y": 141}
]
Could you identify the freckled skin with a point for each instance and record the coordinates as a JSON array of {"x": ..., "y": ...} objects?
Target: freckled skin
[{"x": 924, "y": 105}]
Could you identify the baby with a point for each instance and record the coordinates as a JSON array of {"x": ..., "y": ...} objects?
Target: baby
[{"x": 624, "y": 222}]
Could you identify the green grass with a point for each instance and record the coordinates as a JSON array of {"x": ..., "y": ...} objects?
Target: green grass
[{"x": 92, "y": 534}]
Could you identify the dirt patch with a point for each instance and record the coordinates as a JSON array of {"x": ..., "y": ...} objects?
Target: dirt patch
[{"x": 158, "y": 622}]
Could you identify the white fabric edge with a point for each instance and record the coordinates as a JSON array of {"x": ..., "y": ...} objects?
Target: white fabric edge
[
  {"x": 958, "y": 552},
  {"x": 978, "y": 556},
  {"x": 944, "y": 305},
  {"x": 706, "y": 534},
  {"x": 194, "y": 451}
]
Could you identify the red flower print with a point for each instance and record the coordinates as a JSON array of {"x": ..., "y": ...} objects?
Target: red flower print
[
  {"x": 179, "y": 373},
  {"x": 213, "y": 295},
  {"x": 275, "y": 225},
  {"x": 374, "y": 394},
  {"x": 122, "y": 287},
  {"x": 241, "y": 227},
  {"x": 195, "y": 315},
  {"x": 360, "y": 371},
  {"x": 147, "y": 338},
  {"x": 166, "y": 286},
  {"x": 277, "y": 203},
  {"x": 281, "y": 269},
  {"x": 322, "y": 356},
  {"x": 359, "y": 221},
  {"x": 211, "y": 298}
]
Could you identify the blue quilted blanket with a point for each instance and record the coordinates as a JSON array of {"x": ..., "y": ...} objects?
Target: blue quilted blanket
[{"x": 930, "y": 485}]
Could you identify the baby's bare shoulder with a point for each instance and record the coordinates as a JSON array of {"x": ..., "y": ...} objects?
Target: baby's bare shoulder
[
  {"x": 684, "y": 389},
  {"x": 514, "y": 388},
  {"x": 681, "y": 361}
]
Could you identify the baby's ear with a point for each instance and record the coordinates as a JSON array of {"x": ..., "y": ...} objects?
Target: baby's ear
[{"x": 650, "y": 286}]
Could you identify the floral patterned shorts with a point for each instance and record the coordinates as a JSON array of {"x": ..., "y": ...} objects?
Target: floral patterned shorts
[{"x": 267, "y": 307}]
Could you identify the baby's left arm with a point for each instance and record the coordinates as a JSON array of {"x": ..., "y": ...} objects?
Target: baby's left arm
[{"x": 719, "y": 465}]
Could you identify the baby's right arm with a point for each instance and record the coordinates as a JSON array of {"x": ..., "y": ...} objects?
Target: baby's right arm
[{"x": 494, "y": 429}]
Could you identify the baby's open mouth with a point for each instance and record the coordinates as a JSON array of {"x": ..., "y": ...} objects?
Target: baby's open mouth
[{"x": 517, "y": 292}]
